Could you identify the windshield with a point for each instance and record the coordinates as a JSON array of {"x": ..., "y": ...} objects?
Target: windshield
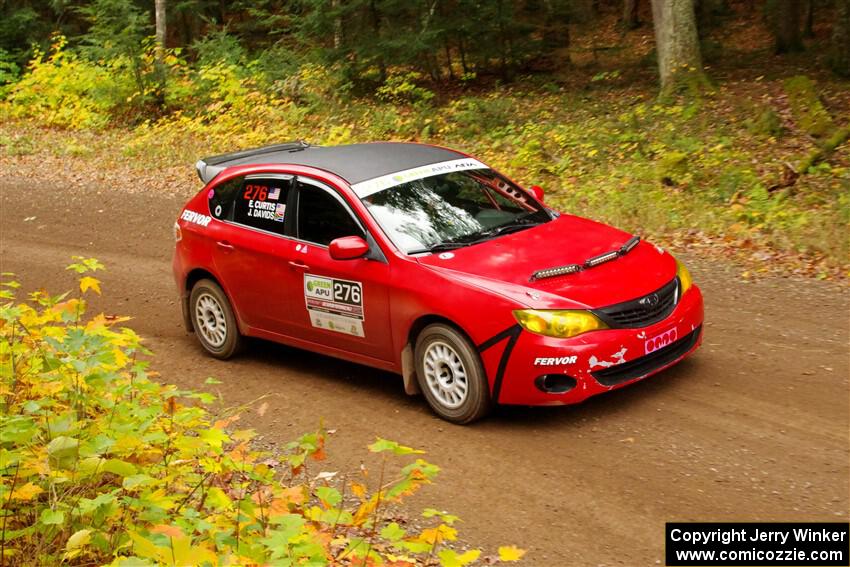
[{"x": 452, "y": 210}]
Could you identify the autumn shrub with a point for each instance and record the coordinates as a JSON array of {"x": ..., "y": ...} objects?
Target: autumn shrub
[
  {"x": 64, "y": 89},
  {"x": 101, "y": 464},
  {"x": 403, "y": 87}
]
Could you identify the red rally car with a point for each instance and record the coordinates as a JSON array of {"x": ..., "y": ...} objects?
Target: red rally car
[{"x": 424, "y": 261}]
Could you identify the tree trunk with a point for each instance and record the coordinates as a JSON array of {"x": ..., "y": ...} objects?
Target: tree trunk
[
  {"x": 809, "y": 27},
  {"x": 337, "y": 24},
  {"x": 787, "y": 28},
  {"x": 159, "y": 65},
  {"x": 556, "y": 32},
  {"x": 186, "y": 28},
  {"x": 677, "y": 45},
  {"x": 630, "y": 14},
  {"x": 841, "y": 38},
  {"x": 376, "y": 30},
  {"x": 159, "y": 8}
]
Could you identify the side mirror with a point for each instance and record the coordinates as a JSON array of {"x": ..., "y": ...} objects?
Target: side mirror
[
  {"x": 348, "y": 248},
  {"x": 537, "y": 191}
]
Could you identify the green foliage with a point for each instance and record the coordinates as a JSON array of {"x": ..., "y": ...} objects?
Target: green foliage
[
  {"x": 370, "y": 37},
  {"x": 402, "y": 88},
  {"x": 808, "y": 110},
  {"x": 9, "y": 72},
  {"x": 100, "y": 464},
  {"x": 17, "y": 145},
  {"x": 63, "y": 89},
  {"x": 766, "y": 122}
]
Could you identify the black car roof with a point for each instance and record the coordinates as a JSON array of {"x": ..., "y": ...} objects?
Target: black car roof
[{"x": 353, "y": 162}]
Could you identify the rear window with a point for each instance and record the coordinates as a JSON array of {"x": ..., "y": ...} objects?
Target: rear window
[{"x": 221, "y": 198}]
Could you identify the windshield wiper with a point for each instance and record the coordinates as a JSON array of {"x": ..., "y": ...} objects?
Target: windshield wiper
[
  {"x": 515, "y": 226},
  {"x": 475, "y": 238},
  {"x": 440, "y": 247}
]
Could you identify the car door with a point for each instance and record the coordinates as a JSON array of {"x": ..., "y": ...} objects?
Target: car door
[
  {"x": 342, "y": 303},
  {"x": 251, "y": 251}
]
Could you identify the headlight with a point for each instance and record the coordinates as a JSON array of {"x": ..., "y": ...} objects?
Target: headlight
[
  {"x": 684, "y": 277},
  {"x": 562, "y": 324}
]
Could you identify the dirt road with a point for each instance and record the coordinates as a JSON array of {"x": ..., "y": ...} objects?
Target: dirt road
[{"x": 753, "y": 427}]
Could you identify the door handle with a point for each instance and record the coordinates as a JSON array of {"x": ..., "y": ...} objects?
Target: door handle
[
  {"x": 295, "y": 264},
  {"x": 227, "y": 246}
]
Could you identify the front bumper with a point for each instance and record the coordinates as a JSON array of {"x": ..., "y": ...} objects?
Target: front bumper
[{"x": 521, "y": 366}]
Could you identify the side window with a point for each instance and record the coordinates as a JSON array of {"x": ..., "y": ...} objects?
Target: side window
[
  {"x": 221, "y": 198},
  {"x": 261, "y": 203},
  {"x": 322, "y": 217}
]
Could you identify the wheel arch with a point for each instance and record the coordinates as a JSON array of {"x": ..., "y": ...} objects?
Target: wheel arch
[
  {"x": 408, "y": 363},
  {"x": 194, "y": 276}
]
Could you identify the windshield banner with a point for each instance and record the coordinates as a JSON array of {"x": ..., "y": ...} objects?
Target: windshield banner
[{"x": 371, "y": 186}]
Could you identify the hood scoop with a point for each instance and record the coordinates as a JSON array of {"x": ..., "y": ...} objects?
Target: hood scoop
[{"x": 589, "y": 263}]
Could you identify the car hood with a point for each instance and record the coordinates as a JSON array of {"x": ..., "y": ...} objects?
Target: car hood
[{"x": 505, "y": 264}]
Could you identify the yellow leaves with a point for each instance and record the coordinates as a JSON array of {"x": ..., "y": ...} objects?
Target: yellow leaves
[
  {"x": 365, "y": 510},
  {"x": 78, "y": 540},
  {"x": 88, "y": 282},
  {"x": 359, "y": 490},
  {"x": 436, "y": 535},
  {"x": 179, "y": 550},
  {"x": 451, "y": 558},
  {"x": 26, "y": 492},
  {"x": 510, "y": 553},
  {"x": 75, "y": 543}
]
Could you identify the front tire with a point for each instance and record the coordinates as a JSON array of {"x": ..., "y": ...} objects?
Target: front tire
[
  {"x": 213, "y": 320},
  {"x": 450, "y": 374}
]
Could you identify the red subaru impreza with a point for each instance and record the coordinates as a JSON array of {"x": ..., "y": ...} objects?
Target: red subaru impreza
[{"x": 423, "y": 261}]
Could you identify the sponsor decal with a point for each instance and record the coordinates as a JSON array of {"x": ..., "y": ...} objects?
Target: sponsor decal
[
  {"x": 446, "y": 256},
  {"x": 218, "y": 210},
  {"x": 211, "y": 194},
  {"x": 261, "y": 210},
  {"x": 366, "y": 188},
  {"x": 618, "y": 357},
  {"x": 557, "y": 361},
  {"x": 334, "y": 304},
  {"x": 195, "y": 218},
  {"x": 652, "y": 344},
  {"x": 260, "y": 202}
]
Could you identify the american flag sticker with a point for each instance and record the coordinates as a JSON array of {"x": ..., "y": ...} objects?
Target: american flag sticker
[{"x": 274, "y": 194}]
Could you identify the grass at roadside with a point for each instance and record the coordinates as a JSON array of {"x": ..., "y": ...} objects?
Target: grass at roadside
[{"x": 705, "y": 176}]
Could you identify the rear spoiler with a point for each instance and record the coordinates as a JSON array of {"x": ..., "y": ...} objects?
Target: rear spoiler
[{"x": 209, "y": 167}]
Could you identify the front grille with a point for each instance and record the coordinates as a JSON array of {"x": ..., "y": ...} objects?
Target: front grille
[
  {"x": 642, "y": 366},
  {"x": 643, "y": 311}
]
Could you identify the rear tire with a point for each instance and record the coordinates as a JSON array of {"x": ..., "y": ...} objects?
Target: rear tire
[
  {"x": 213, "y": 320},
  {"x": 450, "y": 374}
]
